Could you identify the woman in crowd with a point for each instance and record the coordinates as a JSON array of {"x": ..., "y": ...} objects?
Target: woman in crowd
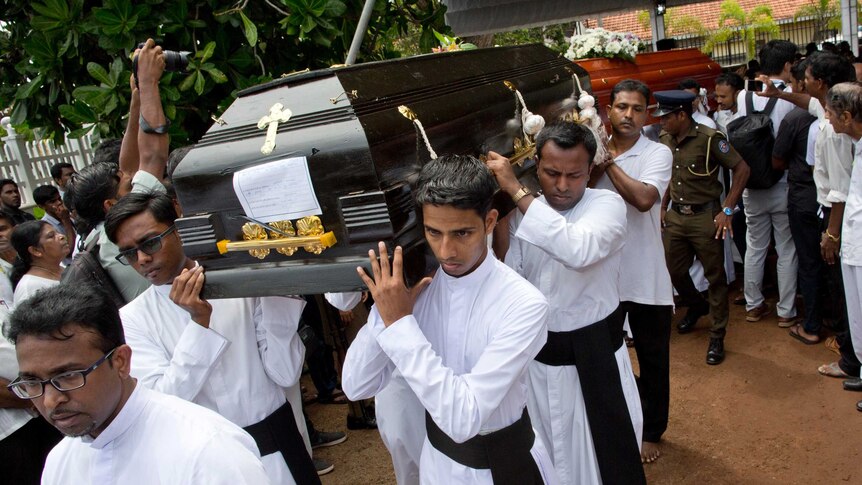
[{"x": 40, "y": 250}]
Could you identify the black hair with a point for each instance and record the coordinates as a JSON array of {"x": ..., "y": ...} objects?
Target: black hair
[
  {"x": 50, "y": 310},
  {"x": 7, "y": 217},
  {"x": 5, "y": 182},
  {"x": 774, "y": 55},
  {"x": 44, "y": 193},
  {"x": 23, "y": 237},
  {"x": 160, "y": 206},
  {"x": 567, "y": 134},
  {"x": 460, "y": 181},
  {"x": 731, "y": 79},
  {"x": 630, "y": 85},
  {"x": 57, "y": 169},
  {"x": 798, "y": 69},
  {"x": 688, "y": 83},
  {"x": 810, "y": 48},
  {"x": 90, "y": 188},
  {"x": 831, "y": 68},
  {"x": 176, "y": 156},
  {"x": 108, "y": 151},
  {"x": 846, "y": 97}
]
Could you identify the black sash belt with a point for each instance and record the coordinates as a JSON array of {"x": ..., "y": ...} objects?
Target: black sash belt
[
  {"x": 591, "y": 349},
  {"x": 506, "y": 452},
  {"x": 278, "y": 432}
]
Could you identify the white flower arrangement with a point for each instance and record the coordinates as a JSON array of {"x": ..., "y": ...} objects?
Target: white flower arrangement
[{"x": 599, "y": 42}]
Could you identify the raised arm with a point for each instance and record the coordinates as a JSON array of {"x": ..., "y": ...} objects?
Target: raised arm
[{"x": 152, "y": 137}]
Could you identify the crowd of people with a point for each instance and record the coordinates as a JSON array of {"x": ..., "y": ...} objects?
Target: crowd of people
[{"x": 508, "y": 365}]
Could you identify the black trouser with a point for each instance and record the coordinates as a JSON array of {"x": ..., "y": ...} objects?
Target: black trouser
[
  {"x": 802, "y": 210},
  {"x": 650, "y": 326},
  {"x": 25, "y": 450},
  {"x": 848, "y": 362}
]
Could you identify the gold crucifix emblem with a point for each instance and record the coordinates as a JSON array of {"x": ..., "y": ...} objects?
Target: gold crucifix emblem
[{"x": 277, "y": 114}]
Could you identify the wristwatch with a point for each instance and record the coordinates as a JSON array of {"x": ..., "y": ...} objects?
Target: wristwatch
[
  {"x": 520, "y": 194},
  {"x": 728, "y": 211}
]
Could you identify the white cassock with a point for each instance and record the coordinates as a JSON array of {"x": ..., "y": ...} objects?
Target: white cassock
[
  {"x": 237, "y": 367},
  {"x": 400, "y": 415},
  {"x": 573, "y": 258},
  {"x": 158, "y": 439},
  {"x": 464, "y": 352}
]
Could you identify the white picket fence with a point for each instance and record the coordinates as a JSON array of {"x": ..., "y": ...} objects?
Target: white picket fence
[{"x": 29, "y": 162}]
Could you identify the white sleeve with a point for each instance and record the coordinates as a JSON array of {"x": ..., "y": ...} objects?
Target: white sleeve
[
  {"x": 226, "y": 460},
  {"x": 816, "y": 109},
  {"x": 276, "y": 320},
  {"x": 514, "y": 257},
  {"x": 183, "y": 374},
  {"x": 838, "y": 154},
  {"x": 658, "y": 169},
  {"x": 145, "y": 182},
  {"x": 599, "y": 233},
  {"x": 344, "y": 301},
  {"x": 367, "y": 368}
]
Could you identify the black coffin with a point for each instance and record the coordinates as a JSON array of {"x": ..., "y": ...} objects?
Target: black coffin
[{"x": 362, "y": 154}]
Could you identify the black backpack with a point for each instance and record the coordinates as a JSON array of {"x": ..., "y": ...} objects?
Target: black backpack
[
  {"x": 87, "y": 269},
  {"x": 751, "y": 136}
]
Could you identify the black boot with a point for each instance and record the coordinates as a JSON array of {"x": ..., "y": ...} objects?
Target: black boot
[
  {"x": 715, "y": 354},
  {"x": 691, "y": 317}
]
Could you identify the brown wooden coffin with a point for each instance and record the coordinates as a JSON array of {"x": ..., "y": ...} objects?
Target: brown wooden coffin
[{"x": 659, "y": 70}]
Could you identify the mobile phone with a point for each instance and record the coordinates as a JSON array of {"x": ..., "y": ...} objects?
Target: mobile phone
[{"x": 753, "y": 85}]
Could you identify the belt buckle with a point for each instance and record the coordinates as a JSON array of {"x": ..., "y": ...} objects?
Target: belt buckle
[{"x": 685, "y": 210}]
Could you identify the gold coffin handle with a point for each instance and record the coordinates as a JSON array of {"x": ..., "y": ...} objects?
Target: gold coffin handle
[{"x": 326, "y": 240}]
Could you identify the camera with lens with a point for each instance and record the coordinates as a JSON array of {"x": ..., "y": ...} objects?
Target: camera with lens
[{"x": 175, "y": 61}]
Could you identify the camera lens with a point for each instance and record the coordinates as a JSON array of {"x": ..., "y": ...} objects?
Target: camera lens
[{"x": 176, "y": 61}]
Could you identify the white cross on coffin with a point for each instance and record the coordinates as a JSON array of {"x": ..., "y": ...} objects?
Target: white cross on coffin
[{"x": 277, "y": 114}]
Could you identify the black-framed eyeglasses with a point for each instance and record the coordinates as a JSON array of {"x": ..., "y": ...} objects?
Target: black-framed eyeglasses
[
  {"x": 148, "y": 247},
  {"x": 67, "y": 381}
]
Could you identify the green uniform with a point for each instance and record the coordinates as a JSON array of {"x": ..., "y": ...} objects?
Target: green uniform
[{"x": 689, "y": 223}]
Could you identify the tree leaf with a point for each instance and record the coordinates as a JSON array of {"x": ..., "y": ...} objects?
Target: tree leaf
[
  {"x": 335, "y": 8},
  {"x": 78, "y": 113},
  {"x": 249, "y": 28},
  {"x": 99, "y": 73},
  {"x": 199, "y": 83},
  {"x": 216, "y": 75},
  {"x": 188, "y": 82},
  {"x": 94, "y": 96},
  {"x": 207, "y": 51},
  {"x": 29, "y": 89}
]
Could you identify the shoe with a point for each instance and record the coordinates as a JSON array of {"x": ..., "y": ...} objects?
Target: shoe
[
  {"x": 859, "y": 406},
  {"x": 322, "y": 466},
  {"x": 361, "y": 422},
  {"x": 832, "y": 345},
  {"x": 690, "y": 319},
  {"x": 758, "y": 312},
  {"x": 854, "y": 384},
  {"x": 324, "y": 438},
  {"x": 787, "y": 322},
  {"x": 739, "y": 300},
  {"x": 715, "y": 354}
]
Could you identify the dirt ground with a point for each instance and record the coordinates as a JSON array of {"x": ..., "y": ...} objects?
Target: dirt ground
[{"x": 763, "y": 416}]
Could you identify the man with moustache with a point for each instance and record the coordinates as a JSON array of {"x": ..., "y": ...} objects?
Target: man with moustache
[
  {"x": 567, "y": 242},
  {"x": 697, "y": 224},
  {"x": 10, "y": 202},
  {"x": 640, "y": 172},
  {"x": 75, "y": 369},
  {"x": 233, "y": 356},
  {"x": 462, "y": 341}
]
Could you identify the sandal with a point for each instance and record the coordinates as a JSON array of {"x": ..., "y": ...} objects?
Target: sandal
[
  {"x": 832, "y": 344},
  {"x": 832, "y": 370},
  {"x": 794, "y": 332}
]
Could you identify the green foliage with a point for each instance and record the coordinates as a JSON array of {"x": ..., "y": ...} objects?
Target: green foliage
[
  {"x": 675, "y": 23},
  {"x": 553, "y": 36},
  {"x": 65, "y": 64},
  {"x": 735, "y": 23},
  {"x": 826, "y": 15}
]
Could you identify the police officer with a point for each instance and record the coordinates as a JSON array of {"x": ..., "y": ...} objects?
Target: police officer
[{"x": 696, "y": 223}]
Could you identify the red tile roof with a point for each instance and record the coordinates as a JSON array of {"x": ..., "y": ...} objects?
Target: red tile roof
[{"x": 706, "y": 12}]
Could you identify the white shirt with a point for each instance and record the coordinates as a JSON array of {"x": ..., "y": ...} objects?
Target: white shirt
[
  {"x": 7, "y": 294},
  {"x": 851, "y": 228},
  {"x": 11, "y": 419},
  {"x": 557, "y": 252},
  {"x": 703, "y": 119},
  {"x": 643, "y": 276},
  {"x": 464, "y": 351},
  {"x": 833, "y": 159},
  {"x": 345, "y": 301},
  {"x": 237, "y": 367},
  {"x": 723, "y": 118},
  {"x": 28, "y": 285},
  {"x": 158, "y": 439}
]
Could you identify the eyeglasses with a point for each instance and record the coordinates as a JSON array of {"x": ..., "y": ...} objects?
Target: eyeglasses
[
  {"x": 67, "y": 381},
  {"x": 148, "y": 247}
]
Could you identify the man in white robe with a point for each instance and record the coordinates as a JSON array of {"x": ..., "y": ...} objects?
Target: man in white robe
[
  {"x": 233, "y": 356},
  {"x": 463, "y": 344},
  {"x": 640, "y": 172},
  {"x": 400, "y": 415},
  {"x": 568, "y": 243},
  {"x": 75, "y": 368}
]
